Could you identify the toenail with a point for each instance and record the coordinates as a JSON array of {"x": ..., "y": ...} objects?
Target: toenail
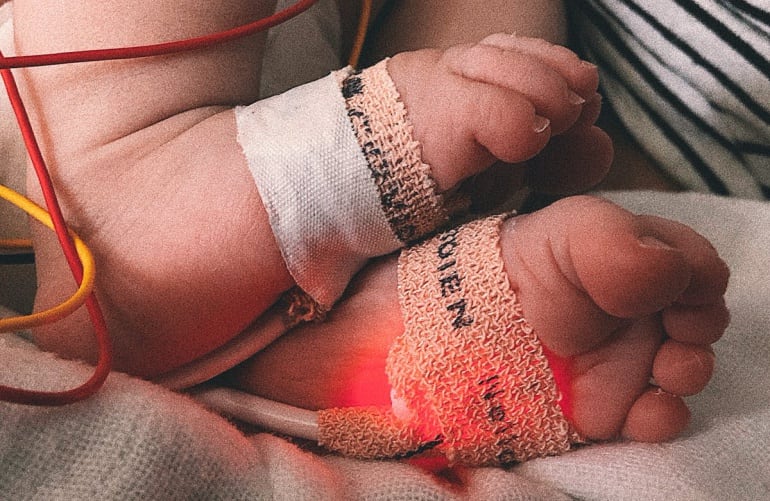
[
  {"x": 704, "y": 359},
  {"x": 576, "y": 99},
  {"x": 588, "y": 64},
  {"x": 541, "y": 124},
  {"x": 652, "y": 242}
]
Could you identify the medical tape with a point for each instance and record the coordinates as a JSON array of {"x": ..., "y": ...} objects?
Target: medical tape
[
  {"x": 468, "y": 373},
  {"x": 339, "y": 176},
  {"x": 407, "y": 192},
  {"x": 368, "y": 433}
]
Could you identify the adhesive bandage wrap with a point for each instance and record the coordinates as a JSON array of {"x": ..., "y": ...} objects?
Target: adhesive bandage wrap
[
  {"x": 407, "y": 192},
  {"x": 339, "y": 175},
  {"x": 468, "y": 373}
]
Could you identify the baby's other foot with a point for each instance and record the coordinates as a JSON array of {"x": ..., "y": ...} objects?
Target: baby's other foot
[
  {"x": 502, "y": 100},
  {"x": 634, "y": 301},
  {"x": 631, "y": 303}
]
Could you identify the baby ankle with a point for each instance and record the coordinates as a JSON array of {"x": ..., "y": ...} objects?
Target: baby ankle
[
  {"x": 340, "y": 176},
  {"x": 469, "y": 375}
]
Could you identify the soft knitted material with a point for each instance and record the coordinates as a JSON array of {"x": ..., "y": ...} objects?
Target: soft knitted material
[
  {"x": 315, "y": 185},
  {"x": 468, "y": 374},
  {"x": 369, "y": 433},
  {"x": 468, "y": 365},
  {"x": 135, "y": 440},
  {"x": 691, "y": 82},
  {"x": 407, "y": 192},
  {"x": 340, "y": 176}
]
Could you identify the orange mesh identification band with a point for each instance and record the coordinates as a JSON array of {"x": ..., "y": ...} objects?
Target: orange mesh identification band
[
  {"x": 407, "y": 192},
  {"x": 468, "y": 374},
  {"x": 369, "y": 433}
]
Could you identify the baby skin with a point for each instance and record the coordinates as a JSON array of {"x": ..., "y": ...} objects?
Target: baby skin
[
  {"x": 627, "y": 298},
  {"x": 156, "y": 183}
]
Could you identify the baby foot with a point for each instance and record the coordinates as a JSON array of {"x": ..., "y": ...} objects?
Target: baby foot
[
  {"x": 633, "y": 303},
  {"x": 503, "y": 99}
]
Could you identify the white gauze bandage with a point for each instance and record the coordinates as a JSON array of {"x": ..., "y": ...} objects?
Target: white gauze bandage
[{"x": 329, "y": 199}]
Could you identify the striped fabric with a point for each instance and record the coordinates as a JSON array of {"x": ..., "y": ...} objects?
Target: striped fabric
[{"x": 690, "y": 79}]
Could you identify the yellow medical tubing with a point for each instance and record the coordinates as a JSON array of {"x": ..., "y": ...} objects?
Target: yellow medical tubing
[
  {"x": 86, "y": 258},
  {"x": 363, "y": 26}
]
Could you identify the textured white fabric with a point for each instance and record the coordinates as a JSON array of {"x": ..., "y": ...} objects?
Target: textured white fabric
[
  {"x": 138, "y": 441},
  {"x": 316, "y": 185},
  {"x": 691, "y": 82}
]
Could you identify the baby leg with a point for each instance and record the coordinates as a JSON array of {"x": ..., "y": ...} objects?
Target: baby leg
[
  {"x": 162, "y": 215},
  {"x": 150, "y": 170},
  {"x": 617, "y": 299}
]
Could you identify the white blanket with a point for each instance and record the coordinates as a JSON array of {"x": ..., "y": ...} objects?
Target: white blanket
[{"x": 138, "y": 441}]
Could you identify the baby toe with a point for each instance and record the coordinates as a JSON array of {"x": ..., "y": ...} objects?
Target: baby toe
[
  {"x": 622, "y": 262},
  {"x": 582, "y": 76},
  {"x": 656, "y": 416},
  {"x": 524, "y": 73},
  {"x": 709, "y": 273},
  {"x": 683, "y": 369},
  {"x": 697, "y": 324}
]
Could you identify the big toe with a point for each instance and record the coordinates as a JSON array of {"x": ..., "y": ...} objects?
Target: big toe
[{"x": 584, "y": 268}]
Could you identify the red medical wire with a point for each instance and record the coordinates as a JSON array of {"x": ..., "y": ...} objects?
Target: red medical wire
[
  {"x": 104, "y": 360},
  {"x": 158, "y": 49},
  {"x": 104, "y": 364}
]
